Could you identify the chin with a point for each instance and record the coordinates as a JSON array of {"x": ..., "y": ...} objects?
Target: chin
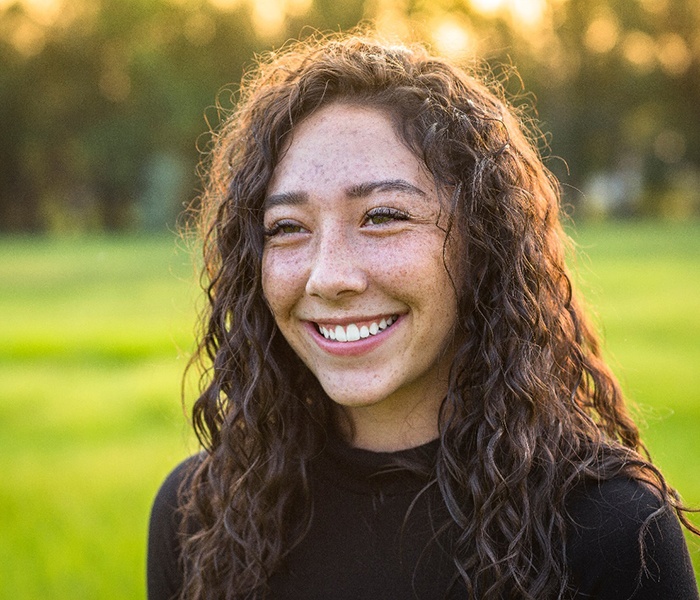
[{"x": 356, "y": 398}]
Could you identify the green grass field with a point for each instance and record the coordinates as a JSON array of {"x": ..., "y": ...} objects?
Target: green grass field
[{"x": 95, "y": 334}]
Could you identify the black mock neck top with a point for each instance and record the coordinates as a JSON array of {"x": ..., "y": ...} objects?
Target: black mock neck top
[{"x": 374, "y": 535}]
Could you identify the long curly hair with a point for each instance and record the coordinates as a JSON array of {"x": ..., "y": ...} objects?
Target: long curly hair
[{"x": 531, "y": 411}]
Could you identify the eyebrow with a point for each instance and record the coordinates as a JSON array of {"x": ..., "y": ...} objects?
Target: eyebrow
[
  {"x": 360, "y": 190},
  {"x": 285, "y": 199}
]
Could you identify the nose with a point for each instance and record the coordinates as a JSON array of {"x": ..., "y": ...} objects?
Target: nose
[{"x": 338, "y": 268}]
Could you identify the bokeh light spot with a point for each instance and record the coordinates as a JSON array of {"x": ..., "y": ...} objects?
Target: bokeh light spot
[
  {"x": 674, "y": 55},
  {"x": 451, "y": 37},
  {"x": 44, "y": 12},
  {"x": 528, "y": 12},
  {"x": 268, "y": 17},
  {"x": 487, "y": 6},
  {"x": 28, "y": 38},
  {"x": 639, "y": 49},
  {"x": 602, "y": 34}
]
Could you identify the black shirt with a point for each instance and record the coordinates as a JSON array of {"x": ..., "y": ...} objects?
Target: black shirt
[{"x": 362, "y": 546}]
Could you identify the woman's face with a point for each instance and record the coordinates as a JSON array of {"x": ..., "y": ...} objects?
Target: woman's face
[{"x": 353, "y": 267}]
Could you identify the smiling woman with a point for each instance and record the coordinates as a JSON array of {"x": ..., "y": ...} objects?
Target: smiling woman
[
  {"x": 404, "y": 399},
  {"x": 353, "y": 273}
]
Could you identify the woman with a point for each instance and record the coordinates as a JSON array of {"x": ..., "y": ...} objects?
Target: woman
[{"x": 405, "y": 399}]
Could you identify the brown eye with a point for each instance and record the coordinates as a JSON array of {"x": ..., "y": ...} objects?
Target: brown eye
[
  {"x": 289, "y": 228},
  {"x": 284, "y": 228},
  {"x": 378, "y": 219},
  {"x": 384, "y": 215}
]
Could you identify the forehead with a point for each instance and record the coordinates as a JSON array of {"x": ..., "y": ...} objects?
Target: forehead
[{"x": 345, "y": 145}]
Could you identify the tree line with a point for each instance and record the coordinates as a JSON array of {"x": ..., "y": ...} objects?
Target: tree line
[{"x": 105, "y": 104}]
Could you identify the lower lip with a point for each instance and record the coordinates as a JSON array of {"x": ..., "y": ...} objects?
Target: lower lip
[{"x": 361, "y": 346}]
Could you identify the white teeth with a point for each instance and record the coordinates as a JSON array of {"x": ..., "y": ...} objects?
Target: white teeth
[{"x": 353, "y": 333}]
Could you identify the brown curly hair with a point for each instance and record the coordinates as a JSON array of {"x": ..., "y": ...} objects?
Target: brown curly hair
[{"x": 531, "y": 410}]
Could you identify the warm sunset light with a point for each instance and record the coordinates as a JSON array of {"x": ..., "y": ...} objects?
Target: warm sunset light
[
  {"x": 226, "y": 5},
  {"x": 43, "y": 12},
  {"x": 528, "y": 12},
  {"x": 451, "y": 37},
  {"x": 639, "y": 49},
  {"x": 28, "y": 38},
  {"x": 297, "y": 8},
  {"x": 138, "y": 140},
  {"x": 488, "y": 6},
  {"x": 674, "y": 55},
  {"x": 268, "y": 17},
  {"x": 393, "y": 24},
  {"x": 602, "y": 34},
  {"x": 524, "y": 13}
]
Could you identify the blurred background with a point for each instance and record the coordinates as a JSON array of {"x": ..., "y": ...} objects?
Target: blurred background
[{"x": 105, "y": 108}]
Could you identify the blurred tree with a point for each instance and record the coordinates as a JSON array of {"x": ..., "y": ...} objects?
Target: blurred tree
[{"x": 103, "y": 102}]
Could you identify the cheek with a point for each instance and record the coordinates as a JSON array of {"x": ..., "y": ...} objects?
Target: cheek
[
  {"x": 431, "y": 283},
  {"x": 421, "y": 263},
  {"x": 281, "y": 280}
]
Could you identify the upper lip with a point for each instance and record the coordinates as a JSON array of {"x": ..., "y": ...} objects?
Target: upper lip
[{"x": 344, "y": 321}]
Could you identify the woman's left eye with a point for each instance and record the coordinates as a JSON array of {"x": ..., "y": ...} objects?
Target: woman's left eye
[
  {"x": 384, "y": 215},
  {"x": 283, "y": 227}
]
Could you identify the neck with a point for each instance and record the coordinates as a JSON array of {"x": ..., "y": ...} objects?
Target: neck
[{"x": 383, "y": 428}]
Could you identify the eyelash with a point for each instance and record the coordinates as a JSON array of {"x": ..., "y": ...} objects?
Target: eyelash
[
  {"x": 279, "y": 226},
  {"x": 392, "y": 214}
]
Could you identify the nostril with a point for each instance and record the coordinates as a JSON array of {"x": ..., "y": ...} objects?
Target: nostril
[{"x": 333, "y": 282}]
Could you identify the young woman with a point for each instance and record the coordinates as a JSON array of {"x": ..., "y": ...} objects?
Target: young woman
[{"x": 405, "y": 399}]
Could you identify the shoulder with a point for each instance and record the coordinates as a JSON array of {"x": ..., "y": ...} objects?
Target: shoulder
[
  {"x": 621, "y": 501},
  {"x": 167, "y": 497},
  {"x": 625, "y": 542},
  {"x": 163, "y": 564},
  {"x": 165, "y": 512}
]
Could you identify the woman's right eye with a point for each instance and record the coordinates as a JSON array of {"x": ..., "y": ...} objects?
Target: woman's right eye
[
  {"x": 383, "y": 215},
  {"x": 284, "y": 227}
]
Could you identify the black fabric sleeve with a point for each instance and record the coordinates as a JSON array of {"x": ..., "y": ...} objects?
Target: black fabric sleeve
[
  {"x": 163, "y": 569},
  {"x": 606, "y": 558}
]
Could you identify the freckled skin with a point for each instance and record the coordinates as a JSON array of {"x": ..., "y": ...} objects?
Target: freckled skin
[{"x": 336, "y": 258}]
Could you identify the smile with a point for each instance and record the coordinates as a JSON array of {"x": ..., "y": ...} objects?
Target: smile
[{"x": 354, "y": 332}]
